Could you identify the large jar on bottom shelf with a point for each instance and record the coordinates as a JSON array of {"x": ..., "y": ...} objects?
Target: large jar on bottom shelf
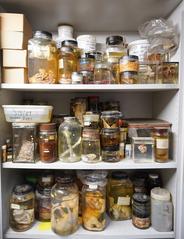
[
  {"x": 65, "y": 206},
  {"x": 22, "y": 208},
  {"x": 42, "y": 58},
  {"x": 119, "y": 196},
  {"x": 69, "y": 140},
  {"x": 94, "y": 203}
]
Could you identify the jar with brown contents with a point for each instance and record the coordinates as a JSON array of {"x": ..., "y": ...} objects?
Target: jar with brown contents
[{"x": 110, "y": 119}]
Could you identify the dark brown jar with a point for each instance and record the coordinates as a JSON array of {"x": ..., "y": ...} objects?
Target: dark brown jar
[{"x": 48, "y": 143}]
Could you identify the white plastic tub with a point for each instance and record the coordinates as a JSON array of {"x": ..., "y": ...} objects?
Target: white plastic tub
[{"x": 28, "y": 113}]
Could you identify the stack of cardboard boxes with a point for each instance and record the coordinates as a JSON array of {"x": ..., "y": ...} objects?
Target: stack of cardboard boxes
[{"x": 15, "y": 33}]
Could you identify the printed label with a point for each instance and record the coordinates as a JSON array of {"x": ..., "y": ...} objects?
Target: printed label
[
  {"x": 15, "y": 206},
  {"x": 162, "y": 143},
  {"x": 91, "y": 186},
  {"x": 124, "y": 201}
]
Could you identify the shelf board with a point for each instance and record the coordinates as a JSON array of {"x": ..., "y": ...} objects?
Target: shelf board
[
  {"x": 90, "y": 88},
  {"x": 124, "y": 164},
  {"x": 115, "y": 230}
]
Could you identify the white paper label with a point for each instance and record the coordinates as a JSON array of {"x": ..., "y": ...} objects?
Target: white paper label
[
  {"x": 124, "y": 201},
  {"x": 91, "y": 186},
  {"x": 15, "y": 206},
  {"x": 162, "y": 143}
]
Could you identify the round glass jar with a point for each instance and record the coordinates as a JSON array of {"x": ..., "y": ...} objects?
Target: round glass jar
[
  {"x": 48, "y": 143},
  {"x": 129, "y": 77},
  {"x": 87, "y": 62},
  {"x": 22, "y": 202},
  {"x": 102, "y": 73},
  {"x": 91, "y": 121},
  {"x": 119, "y": 196},
  {"x": 141, "y": 211},
  {"x": 161, "y": 136},
  {"x": 65, "y": 206},
  {"x": 69, "y": 140},
  {"x": 94, "y": 203},
  {"x": 129, "y": 63},
  {"x": 110, "y": 119},
  {"x": 110, "y": 142},
  {"x": 42, "y": 59},
  {"x": 72, "y": 44}
]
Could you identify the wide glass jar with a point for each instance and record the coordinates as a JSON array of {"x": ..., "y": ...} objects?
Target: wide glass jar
[
  {"x": 102, "y": 73},
  {"x": 42, "y": 58},
  {"x": 141, "y": 211},
  {"x": 69, "y": 140},
  {"x": 91, "y": 121},
  {"x": 67, "y": 65},
  {"x": 48, "y": 143},
  {"x": 110, "y": 119},
  {"x": 65, "y": 206},
  {"x": 119, "y": 196},
  {"x": 161, "y": 210},
  {"x": 22, "y": 202},
  {"x": 87, "y": 62},
  {"x": 72, "y": 44},
  {"x": 94, "y": 203},
  {"x": 129, "y": 63},
  {"x": 91, "y": 145},
  {"x": 24, "y": 142},
  {"x": 161, "y": 136}
]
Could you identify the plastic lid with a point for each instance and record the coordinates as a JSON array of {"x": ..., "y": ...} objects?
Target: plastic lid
[
  {"x": 114, "y": 40},
  {"x": 22, "y": 189},
  {"x": 130, "y": 57},
  {"x": 91, "y": 117},
  {"x": 69, "y": 43},
  {"x": 119, "y": 175},
  {"x": 110, "y": 113},
  {"x": 153, "y": 176},
  {"x": 43, "y": 33},
  {"x": 141, "y": 197},
  {"x": 161, "y": 194},
  {"x": 64, "y": 179},
  {"x": 95, "y": 179},
  {"x": 48, "y": 127}
]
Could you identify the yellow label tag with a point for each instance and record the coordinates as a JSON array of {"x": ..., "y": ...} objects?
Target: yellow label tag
[{"x": 44, "y": 226}]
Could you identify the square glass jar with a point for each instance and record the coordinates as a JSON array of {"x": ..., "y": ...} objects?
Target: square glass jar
[{"x": 167, "y": 73}]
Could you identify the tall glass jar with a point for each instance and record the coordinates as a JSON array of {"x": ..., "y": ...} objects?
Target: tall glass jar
[
  {"x": 42, "y": 58},
  {"x": 69, "y": 141},
  {"x": 22, "y": 208},
  {"x": 67, "y": 65},
  {"x": 65, "y": 206},
  {"x": 73, "y": 45},
  {"x": 119, "y": 196},
  {"x": 48, "y": 143},
  {"x": 94, "y": 203}
]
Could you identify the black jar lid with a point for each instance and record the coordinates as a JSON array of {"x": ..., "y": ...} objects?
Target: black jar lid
[
  {"x": 22, "y": 189},
  {"x": 43, "y": 33},
  {"x": 141, "y": 197},
  {"x": 44, "y": 190},
  {"x": 69, "y": 43},
  {"x": 90, "y": 55},
  {"x": 64, "y": 179},
  {"x": 130, "y": 57},
  {"x": 114, "y": 40},
  {"x": 119, "y": 175}
]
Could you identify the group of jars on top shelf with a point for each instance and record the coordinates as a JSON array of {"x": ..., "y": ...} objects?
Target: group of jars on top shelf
[
  {"x": 69, "y": 200},
  {"x": 80, "y": 62}
]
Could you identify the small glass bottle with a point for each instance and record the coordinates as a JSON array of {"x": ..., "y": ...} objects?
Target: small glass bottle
[
  {"x": 69, "y": 140},
  {"x": 65, "y": 206},
  {"x": 22, "y": 208},
  {"x": 48, "y": 143},
  {"x": 161, "y": 136},
  {"x": 102, "y": 73},
  {"x": 67, "y": 65}
]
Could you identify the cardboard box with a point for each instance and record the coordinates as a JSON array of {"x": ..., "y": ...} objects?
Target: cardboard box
[
  {"x": 15, "y": 75},
  {"x": 15, "y": 58},
  {"x": 14, "y": 40}
]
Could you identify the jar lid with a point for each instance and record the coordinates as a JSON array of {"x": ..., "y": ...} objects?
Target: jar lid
[
  {"x": 91, "y": 117},
  {"x": 64, "y": 179},
  {"x": 22, "y": 189},
  {"x": 95, "y": 179},
  {"x": 119, "y": 175},
  {"x": 130, "y": 57},
  {"x": 114, "y": 40},
  {"x": 44, "y": 190},
  {"x": 110, "y": 113},
  {"x": 66, "y": 49},
  {"x": 153, "y": 176},
  {"x": 43, "y": 33},
  {"x": 161, "y": 194},
  {"x": 69, "y": 43},
  {"x": 141, "y": 197},
  {"x": 110, "y": 130},
  {"x": 48, "y": 127}
]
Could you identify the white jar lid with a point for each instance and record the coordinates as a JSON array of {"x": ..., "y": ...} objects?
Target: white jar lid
[{"x": 161, "y": 194}]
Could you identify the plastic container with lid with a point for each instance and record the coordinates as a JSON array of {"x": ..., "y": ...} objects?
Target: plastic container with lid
[
  {"x": 87, "y": 43},
  {"x": 161, "y": 210},
  {"x": 22, "y": 202},
  {"x": 65, "y": 206},
  {"x": 65, "y": 31},
  {"x": 119, "y": 196}
]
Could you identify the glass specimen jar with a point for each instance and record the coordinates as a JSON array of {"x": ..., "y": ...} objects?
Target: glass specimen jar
[
  {"x": 110, "y": 119},
  {"x": 91, "y": 121},
  {"x": 24, "y": 142},
  {"x": 161, "y": 136},
  {"x": 161, "y": 210},
  {"x": 69, "y": 140},
  {"x": 91, "y": 145},
  {"x": 22, "y": 202},
  {"x": 119, "y": 196},
  {"x": 167, "y": 73},
  {"x": 42, "y": 58},
  {"x": 110, "y": 141},
  {"x": 87, "y": 62},
  {"x": 65, "y": 206},
  {"x": 129, "y": 77},
  {"x": 72, "y": 44},
  {"x": 154, "y": 180},
  {"x": 48, "y": 143},
  {"x": 141, "y": 211},
  {"x": 129, "y": 63},
  {"x": 67, "y": 65},
  {"x": 115, "y": 49},
  {"x": 102, "y": 73},
  {"x": 94, "y": 203}
]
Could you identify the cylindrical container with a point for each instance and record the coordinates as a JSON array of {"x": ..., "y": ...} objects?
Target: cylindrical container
[
  {"x": 65, "y": 32},
  {"x": 91, "y": 145},
  {"x": 42, "y": 59},
  {"x": 94, "y": 203},
  {"x": 48, "y": 143},
  {"x": 69, "y": 140},
  {"x": 141, "y": 211},
  {"x": 161, "y": 210},
  {"x": 87, "y": 77},
  {"x": 161, "y": 136},
  {"x": 22, "y": 208},
  {"x": 67, "y": 65},
  {"x": 129, "y": 63},
  {"x": 87, "y": 43},
  {"x": 87, "y": 62},
  {"x": 110, "y": 119},
  {"x": 119, "y": 196},
  {"x": 110, "y": 144},
  {"x": 77, "y": 78},
  {"x": 91, "y": 121},
  {"x": 129, "y": 77},
  {"x": 140, "y": 183},
  {"x": 102, "y": 73},
  {"x": 154, "y": 180},
  {"x": 65, "y": 206},
  {"x": 72, "y": 44},
  {"x": 93, "y": 104}
]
